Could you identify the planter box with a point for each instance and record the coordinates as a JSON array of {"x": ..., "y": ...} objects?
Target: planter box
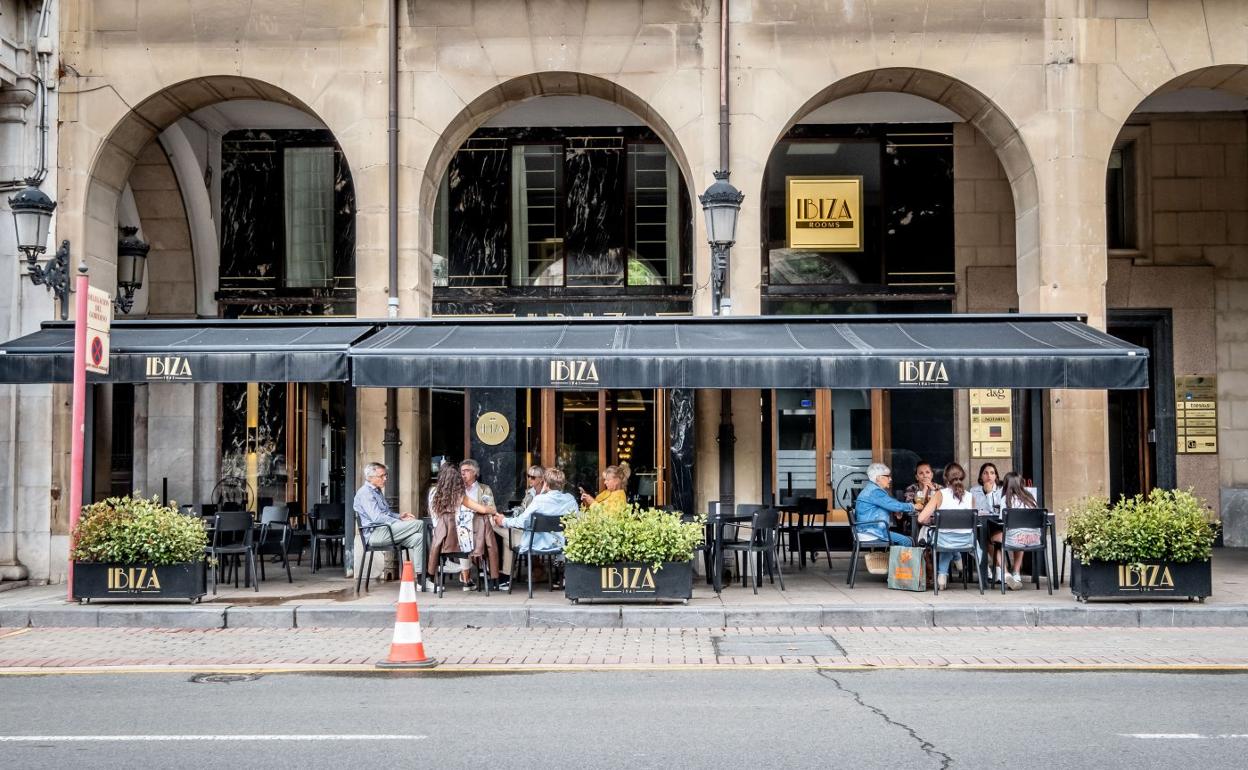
[
  {"x": 140, "y": 581},
  {"x": 629, "y": 581},
  {"x": 1155, "y": 580}
]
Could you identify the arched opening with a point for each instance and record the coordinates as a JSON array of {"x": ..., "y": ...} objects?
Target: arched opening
[
  {"x": 891, "y": 192},
  {"x": 247, "y": 201},
  {"x": 562, "y": 194},
  {"x": 1176, "y": 212}
]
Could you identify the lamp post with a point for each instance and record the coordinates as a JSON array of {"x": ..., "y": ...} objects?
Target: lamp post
[
  {"x": 721, "y": 204},
  {"x": 32, "y": 216},
  {"x": 131, "y": 257}
]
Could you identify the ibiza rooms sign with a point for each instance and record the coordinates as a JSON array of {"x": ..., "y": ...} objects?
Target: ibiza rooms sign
[{"x": 824, "y": 213}]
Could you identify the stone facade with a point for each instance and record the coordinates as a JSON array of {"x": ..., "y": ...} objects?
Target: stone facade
[{"x": 1043, "y": 90}]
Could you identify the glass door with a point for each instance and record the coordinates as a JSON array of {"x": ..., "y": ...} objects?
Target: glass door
[{"x": 578, "y": 439}]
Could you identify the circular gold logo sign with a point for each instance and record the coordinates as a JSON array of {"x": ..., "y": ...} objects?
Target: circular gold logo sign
[{"x": 492, "y": 428}]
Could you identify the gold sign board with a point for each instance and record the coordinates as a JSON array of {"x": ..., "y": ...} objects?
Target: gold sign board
[
  {"x": 493, "y": 428},
  {"x": 992, "y": 422},
  {"x": 1196, "y": 414},
  {"x": 824, "y": 213}
]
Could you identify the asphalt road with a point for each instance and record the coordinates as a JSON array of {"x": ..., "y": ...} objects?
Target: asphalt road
[{"x": 670, "y": 719}]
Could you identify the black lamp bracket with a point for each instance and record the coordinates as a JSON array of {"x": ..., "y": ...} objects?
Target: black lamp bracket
[{"x": 54, "y": 274}]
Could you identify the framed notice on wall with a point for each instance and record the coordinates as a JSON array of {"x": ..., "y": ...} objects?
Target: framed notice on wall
[
  {"x": 992, "y": 422},
  {"x": 1196, "y": 414},
  {"x": 824, "y": 213}
]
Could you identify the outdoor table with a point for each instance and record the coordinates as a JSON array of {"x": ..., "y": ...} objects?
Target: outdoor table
[{"x": 716, "y": 523}]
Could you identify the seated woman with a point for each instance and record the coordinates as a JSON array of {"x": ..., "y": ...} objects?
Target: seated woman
[
  {"x": 987, "y": 492},
  {"x": 458, "y": 528},
  {"x": 612, "y": 488},
  {"x": 953, "y": 496},
  {"x": 1015, "y": 495},
  {"x": 875, "y": 504}
]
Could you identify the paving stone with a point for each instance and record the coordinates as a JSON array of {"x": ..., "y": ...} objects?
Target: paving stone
[
  {"x": 260, "y": 617},
  {"x": 672, "y": 617},
  {"x": 477, "y": 617},
  {"x": 784, "y": 615},
  {"x": 968, "y": 615},
  {"x": 82, "y": 616},
  {"x": 574, "y": 617},
  {"x": 1194, "y": 616},
  {"x": 336, "y": 616},
  {"x": 14, "y": 617},
  {"x": 904, "y": 617},
  {"x": 1088, "y": 616},
  {"x": 162, "y": 617}
]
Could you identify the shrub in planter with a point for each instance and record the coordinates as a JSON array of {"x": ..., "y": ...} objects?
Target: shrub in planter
[
  {"x": 618, "y": 551},
  {"x": 1160, "y": 544},
  {"x": 132, "y": 546}
]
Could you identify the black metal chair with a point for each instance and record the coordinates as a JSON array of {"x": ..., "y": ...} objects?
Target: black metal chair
[
  {"x": 232, "y": 539},
  {"x": 1015, "y": 519},
  {"x": 389, "y": 544},
  {"x": 808, "y": 510},
  {"x": 326, "y": 524},
  {"x": 447, "y": 556},
  {"x": 866, "y": 537},
  {"x": 274, "y": 539},
  {"x": 761, "y": 545},
  {"x": 956, "y": 520},
  {"x": 537, "y": 523}
]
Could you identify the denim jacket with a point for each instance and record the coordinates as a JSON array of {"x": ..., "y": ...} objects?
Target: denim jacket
[
  {"x": 874, "y": 506},
  {"x": 546, "y": 504}
]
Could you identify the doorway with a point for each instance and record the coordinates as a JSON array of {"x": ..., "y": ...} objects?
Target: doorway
[{"x": 1141, "y": 422}]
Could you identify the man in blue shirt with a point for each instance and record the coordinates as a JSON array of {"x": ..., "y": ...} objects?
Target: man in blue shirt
[
  {"x": 875, "y": 505},
  {"x": 371, "y": 508},
  {"x": 551, "y": 501}
]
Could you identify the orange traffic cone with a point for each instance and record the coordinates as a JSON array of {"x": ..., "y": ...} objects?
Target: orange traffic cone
[{"x": 407, "y": 650}]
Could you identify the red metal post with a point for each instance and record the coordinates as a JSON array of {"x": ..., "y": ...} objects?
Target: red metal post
[{"x": 79, "y": 427}]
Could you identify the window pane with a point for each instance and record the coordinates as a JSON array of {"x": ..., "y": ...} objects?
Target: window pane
[
  {"x": 309, "y": 204},
  {"x": 537, "y": 244},
  {"x": 654, "y": 240}
]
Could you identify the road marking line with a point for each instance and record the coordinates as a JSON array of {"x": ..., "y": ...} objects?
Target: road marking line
[
  {"x": 180, "y": 738},
  {"x": 1183, "y": 736}
]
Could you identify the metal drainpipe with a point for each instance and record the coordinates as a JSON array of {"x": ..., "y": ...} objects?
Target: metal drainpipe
[
  {"x": 727, "y": 434},
  {"x": 390, "y": 438}
]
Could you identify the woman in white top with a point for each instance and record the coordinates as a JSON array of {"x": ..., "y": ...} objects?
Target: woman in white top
[
  {"x": 1015, "y": 495},
  {"x": 953, "y": 496}
]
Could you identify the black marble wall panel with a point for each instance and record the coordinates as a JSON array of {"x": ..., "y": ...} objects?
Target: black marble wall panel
[
  {"x": 253, "y": 228},
  {"x": 594, "y": 240},
  {"x": 680, "y": 429},
  {"x": 268, "y": 440},
  {"x": 499, "y": 464},
  {"x": 479, "y": 186}
]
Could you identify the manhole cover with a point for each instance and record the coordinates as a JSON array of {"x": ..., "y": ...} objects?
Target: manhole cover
[
  {"x": 803, "y": 645},
  {"x": 223, "y": 678}
]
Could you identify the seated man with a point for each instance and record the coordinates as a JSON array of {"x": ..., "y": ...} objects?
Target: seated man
[
  {"x": 371, "y": 508},
  {"x": 875, "y": 504},
  {"x": 551, "y": 501}
]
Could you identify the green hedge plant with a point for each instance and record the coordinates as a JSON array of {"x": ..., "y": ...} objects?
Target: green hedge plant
[
  {"x": 1167, "y": 525},
  {"x": 135, "y": 530},
  {"x": 610, "y": 534}
]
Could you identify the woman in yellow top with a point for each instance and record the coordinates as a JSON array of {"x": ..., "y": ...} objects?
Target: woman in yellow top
[{"x": 613, "y": 488}]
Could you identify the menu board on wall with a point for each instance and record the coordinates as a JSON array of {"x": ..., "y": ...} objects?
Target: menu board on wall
[
  {"x": 992, "y": 422},
  {"x": 1196, "y": 414}
]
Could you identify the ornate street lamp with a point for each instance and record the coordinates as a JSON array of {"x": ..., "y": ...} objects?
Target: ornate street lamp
[
  {"x": 721, "y": 204},
  {"x": 32, "y": 216},
  {"x": 131, "y": 257}
]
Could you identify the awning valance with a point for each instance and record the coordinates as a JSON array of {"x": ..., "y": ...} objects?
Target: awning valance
[
  {"x": 945, "y": 351},
  {"x": 267, "y": 350}
]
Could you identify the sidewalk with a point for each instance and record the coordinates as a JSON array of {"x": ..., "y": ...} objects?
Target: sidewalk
[
  {"x": 42, "y": 649},
  {"x": 814, "y": 597}
]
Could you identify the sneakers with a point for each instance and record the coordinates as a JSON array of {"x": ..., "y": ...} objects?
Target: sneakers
[
  {"x": 998, "y": 578},
  {"x": 428, "y": 585},
  {"x": 942, "y": 581},
  {"x": 1014, "y": 582}
]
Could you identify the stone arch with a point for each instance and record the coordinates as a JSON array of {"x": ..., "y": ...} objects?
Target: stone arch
[
  {"x": 972, "y": 106},
  {"x": 138, "y": 130},
  {"x": 511, "y": 92}
]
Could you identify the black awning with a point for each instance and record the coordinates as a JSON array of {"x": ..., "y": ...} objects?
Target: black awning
[
  {"x": 192, "y": 351},
  {"x": 946, "y": 351}
]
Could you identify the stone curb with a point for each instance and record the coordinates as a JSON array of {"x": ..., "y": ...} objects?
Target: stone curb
[{"x": 626, "y": 616}]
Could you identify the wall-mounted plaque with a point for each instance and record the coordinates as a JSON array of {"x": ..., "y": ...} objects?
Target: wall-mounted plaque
[
  {"x": 493, "y": 428},
  {"x": 1196, "y": 414},
  {"x": 824, "y": 213},
  {"x": 992, "y": 422}
]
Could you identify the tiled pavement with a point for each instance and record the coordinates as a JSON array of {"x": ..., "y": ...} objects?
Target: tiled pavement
[{"x": 512, "y": 648}]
